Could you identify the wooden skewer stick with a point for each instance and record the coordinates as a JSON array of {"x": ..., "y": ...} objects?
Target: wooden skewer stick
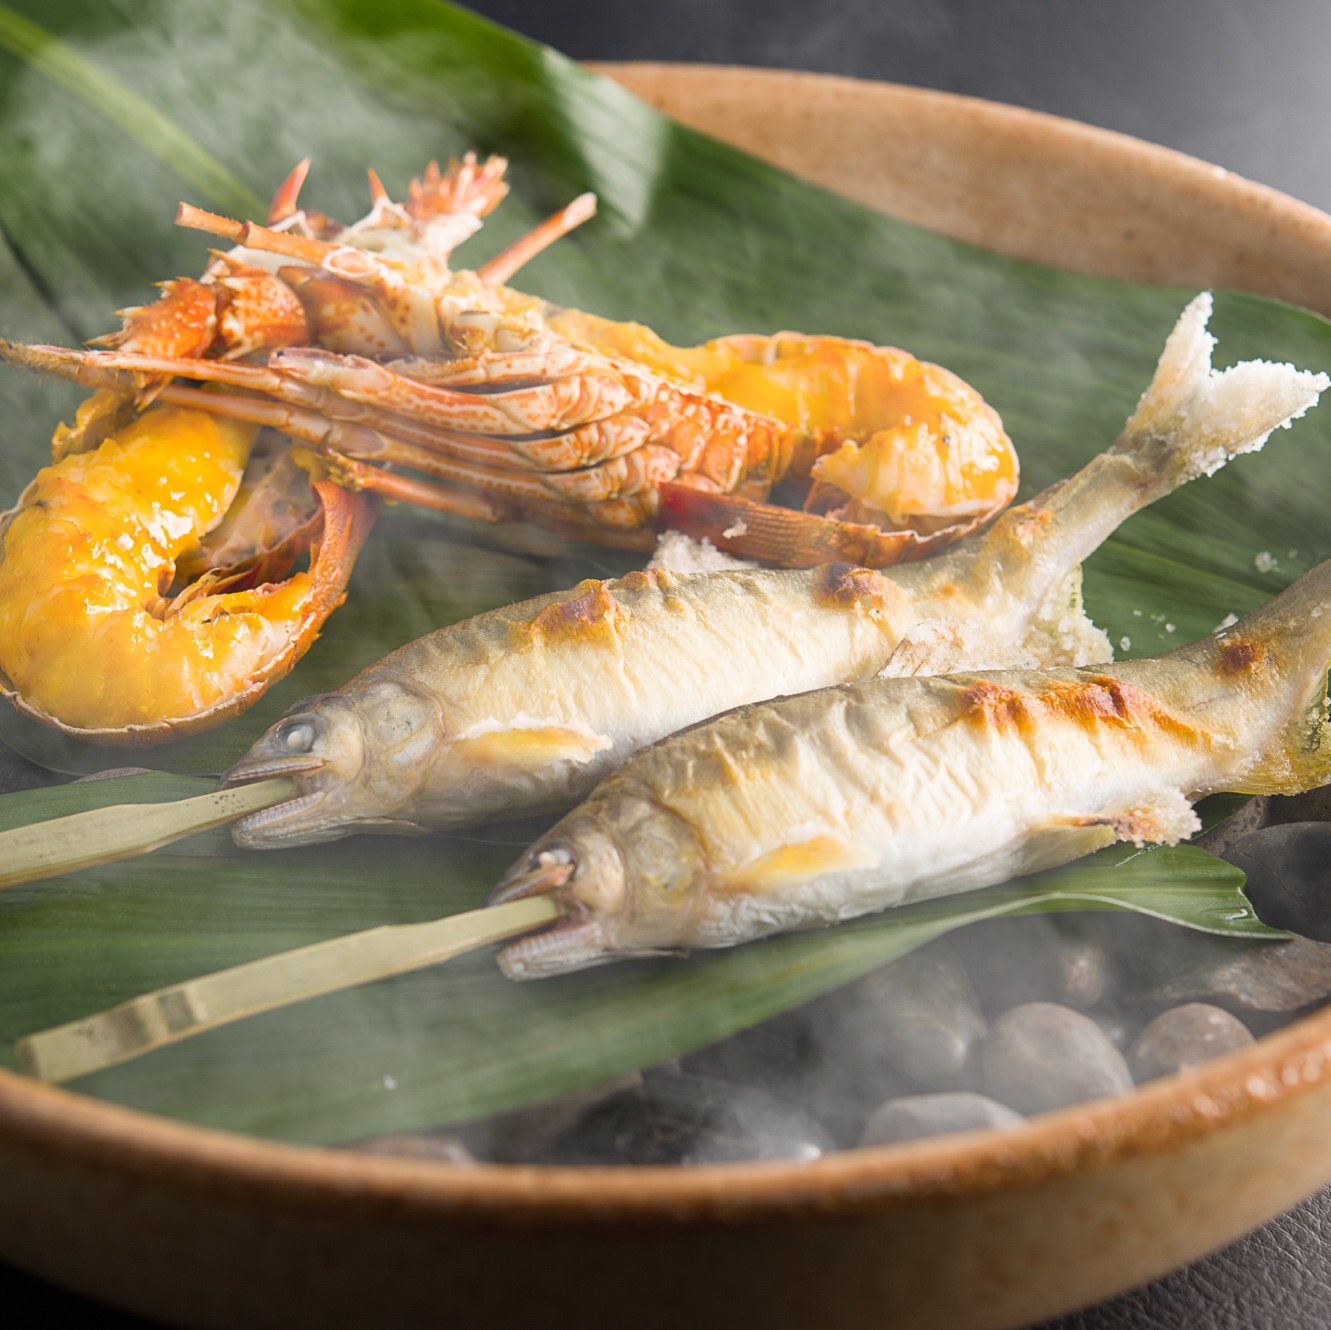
[
  {"x": 99, "y": 835},
  {"x": 182, "y": 1010}
]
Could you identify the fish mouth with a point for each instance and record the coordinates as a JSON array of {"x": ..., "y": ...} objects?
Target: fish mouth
[
  {"x": 270, "y": 827},
  {"x": 570, "y": 943},
  {"x": 573, "y": 941}
]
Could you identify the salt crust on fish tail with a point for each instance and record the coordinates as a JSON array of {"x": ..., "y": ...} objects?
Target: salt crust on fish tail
[{"x": 1234, "y": 404}]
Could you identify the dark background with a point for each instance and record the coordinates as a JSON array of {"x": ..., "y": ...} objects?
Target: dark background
[{"x": 1242, "y": 83}]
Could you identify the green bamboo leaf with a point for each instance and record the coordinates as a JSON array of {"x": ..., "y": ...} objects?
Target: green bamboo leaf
[
  {"x": 459, "y": 1041},
  {"x": 136, "y": 116},
  {"x": 691, "y": 237}
]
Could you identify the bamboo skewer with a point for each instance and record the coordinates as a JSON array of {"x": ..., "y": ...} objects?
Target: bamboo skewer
[
  {"x": 182, "y": 1010},
  {"x": 179, "y": 1011},
  {"x": 100, "y": 835}
]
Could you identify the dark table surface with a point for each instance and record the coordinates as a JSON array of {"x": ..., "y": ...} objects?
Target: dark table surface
[{"x": 1241, "y": 83}]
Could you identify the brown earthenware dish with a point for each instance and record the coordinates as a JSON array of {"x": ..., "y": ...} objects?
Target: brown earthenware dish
[{"x": 202, "y": 1228}]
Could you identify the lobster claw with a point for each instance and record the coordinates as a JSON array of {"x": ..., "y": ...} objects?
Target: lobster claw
[{"x": 793, "y": 539}]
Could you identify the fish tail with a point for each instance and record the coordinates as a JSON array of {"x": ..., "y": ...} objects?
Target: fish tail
[
  {"x": 1190, "y": 421},
  {"x": 1192, "y": 418}
]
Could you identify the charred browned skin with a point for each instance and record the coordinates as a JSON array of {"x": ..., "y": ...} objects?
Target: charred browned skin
[
  {"x": 844, "y": 585},
  {"x": 644, "y": 579},
  {"x": 591, "y": 614},
  {"x": 1088, "y": 703},
  {"x": 1239, "y": 655}
]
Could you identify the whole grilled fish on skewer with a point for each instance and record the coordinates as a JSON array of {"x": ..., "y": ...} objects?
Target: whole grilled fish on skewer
[
  {"x": 527, "y": 707},
  {"x": 813, "y": 809}
]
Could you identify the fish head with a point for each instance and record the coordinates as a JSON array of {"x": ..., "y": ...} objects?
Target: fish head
[
  {"x": 354, "y": 758},
  {"x": 626, "y": 873}
]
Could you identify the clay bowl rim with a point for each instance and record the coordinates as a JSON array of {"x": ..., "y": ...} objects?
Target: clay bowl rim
[{"x": 1155, "y": 1118}]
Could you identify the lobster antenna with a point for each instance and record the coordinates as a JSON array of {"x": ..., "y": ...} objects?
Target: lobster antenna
[{"x": 542, "y": 236}]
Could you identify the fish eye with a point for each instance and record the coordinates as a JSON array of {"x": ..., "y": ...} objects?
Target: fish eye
[
  {"x": 554, "y": 856},
  {"x": 296, "y": 736}
]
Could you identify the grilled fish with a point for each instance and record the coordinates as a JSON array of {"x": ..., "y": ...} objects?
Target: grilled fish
[{"x": 813, "y": 809}]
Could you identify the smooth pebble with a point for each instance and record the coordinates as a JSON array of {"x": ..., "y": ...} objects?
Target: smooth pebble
[
  {"x": 678, "y": 1119},
  {"x": 919, "y": 1015},
  {"x": 1286, "y": 867},
  {"x": 1185, "y": 1036},
  {"x": 914, "y": 1117},
  {"x": 1042, "y": 1056}
]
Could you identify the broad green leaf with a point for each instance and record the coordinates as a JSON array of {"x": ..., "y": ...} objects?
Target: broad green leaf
[
  {"x": 459, "y": 1041},
  {"x": 696, "y": 240},
  {"x": 131, "y": 113}
]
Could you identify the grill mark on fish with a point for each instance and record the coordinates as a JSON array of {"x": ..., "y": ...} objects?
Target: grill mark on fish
[
  {"x": 644, "y": 579},
  {"x": 1087, "y": 703},
  {"x": 1240, "y": 655},
  {"x": 590, "y": 615},
  {"x": 845, "y": 584}
]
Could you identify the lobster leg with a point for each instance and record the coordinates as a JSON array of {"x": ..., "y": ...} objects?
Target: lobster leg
[
  {"x": 559, "y": 405},
  {"x": 495, "y": 369},
  {"x": 533, "y": 491},
  {"x": 576, "y": 449},
  {"x": 596, "y": 393},
  {"x": 343, "y": 429},
  {"x": 621, "y": 523},
  {"x": 397, "y": 488}
]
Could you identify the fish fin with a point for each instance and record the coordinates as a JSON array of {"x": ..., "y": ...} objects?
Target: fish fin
[
  {"x": 1164, "y": 818},
  {"x": 795, "y": 863},
  {"x": 530, "y": 746},
  {"x": 1190, "y": 421}
]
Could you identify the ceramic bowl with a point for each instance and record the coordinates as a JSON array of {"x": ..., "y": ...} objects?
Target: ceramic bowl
[{"x": 976, "y": 1232}]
